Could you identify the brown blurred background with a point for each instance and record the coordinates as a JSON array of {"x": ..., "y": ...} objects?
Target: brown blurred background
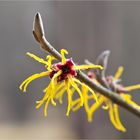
[{"x": 85, "y": 29}]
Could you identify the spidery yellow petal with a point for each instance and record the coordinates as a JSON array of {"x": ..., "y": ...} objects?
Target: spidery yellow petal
[
  {"x": 76, "y": 104},
  {"x": 54, "y": 84},
  {"x": 59, "y": 87},
  {"x": 116, "y": 112},
  {"x": 40, "y": 60},
  {"x": 25, "y": 83},
  {"x": 46, "y": 106},
  {"x": 45, "y": 98},
  {"x": 55, "y": 77},
  {"x": 112, "y": 117},
  {"x": 69, "y": 96},
  {"x": 134, "y": 87},
  {"x": 63, "y": 52},
  {"x": 105, "y": 107},
  {"x": 87, "y": 67},
  {"x": 77, "y": 89},
  {"x": 128, "y": 99},
  {"x": 118, "y": 73},
  {"x": 49, "y": 58},
  {"x": 60, "y": 95},
  {"x": 94, "y": 107}
]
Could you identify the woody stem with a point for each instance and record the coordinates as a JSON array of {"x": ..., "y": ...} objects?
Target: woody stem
[{"x": 38, "y": 32}]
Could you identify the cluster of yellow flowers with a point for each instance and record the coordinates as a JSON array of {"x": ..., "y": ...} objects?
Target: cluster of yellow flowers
[{"x": 63, "y": 80}]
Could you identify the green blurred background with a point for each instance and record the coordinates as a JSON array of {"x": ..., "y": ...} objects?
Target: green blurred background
[{"x": 85, "y": 29}]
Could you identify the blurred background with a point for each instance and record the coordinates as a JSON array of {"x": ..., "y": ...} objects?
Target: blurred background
[{"x": 85, "y": 29}]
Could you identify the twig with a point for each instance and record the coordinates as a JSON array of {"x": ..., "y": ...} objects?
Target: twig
[{"x": 38, "y": 32}]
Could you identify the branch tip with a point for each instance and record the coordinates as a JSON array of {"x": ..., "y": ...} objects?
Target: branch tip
[{"x": 38, "y": 29}]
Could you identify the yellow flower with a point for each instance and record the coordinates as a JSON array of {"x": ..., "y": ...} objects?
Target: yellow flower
[
  {"x": 62, "y": 77},
  {"x": 105, "y": 102}
]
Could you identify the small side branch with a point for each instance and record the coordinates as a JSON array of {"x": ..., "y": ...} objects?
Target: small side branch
[{"x": 38, "y": 32}]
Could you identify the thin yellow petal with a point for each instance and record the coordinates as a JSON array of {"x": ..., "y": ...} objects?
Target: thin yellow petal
[
  {"x": 63, "y": 52},
  {"x": 45, "y": 98},
  {"x": 72, "y": 91},
  {"x": 134, "y": 87},
  {"x": 52, "y": 97},
  {"x": 95, "y": 106},
  {"x": 118, "y": 73},
  {"x": 105, "y": 107},
  {"x": 128, "y": 99},
  {"x": 25, "y": 83},
  {"x": 49, "y": 58},
  {"x": 112, "y": 117},
  {"x": 69, "y": 96},
  {"x": 48, "y": 88},
  {"x": 77, "y": 81},
  {"x": 91, "y": 97},
  {"x": 40, "y": 60},
  {"x": 133, "y": 103},
  {"x": 126, "y": 96},
  {"x": 116, "y": 112},
  {"x": 85, "y": 96},
  {"x": 60, "y": 95},
  {"x": 54, "y": 87},
  {"x": 93, "y": 93},
  {"x": 55, "y": 77},
  {"x": 40, "y": 103},
  {"x": 76, "y": 88},
  {"x": 60, "y": 86},
  {"x": 53, "y": 90},
  {"x": 90, "y": 109},
  {"x": 87, "y": 67},
  {"x": 46, "y": 107},
  {"x": 49, "y": 95},
  {"x": 86, "y": 88},
  {"x": 75, "y": 105}
]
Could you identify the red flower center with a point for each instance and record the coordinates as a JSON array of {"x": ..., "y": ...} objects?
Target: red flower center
[{"x": 66, "y": 69}]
